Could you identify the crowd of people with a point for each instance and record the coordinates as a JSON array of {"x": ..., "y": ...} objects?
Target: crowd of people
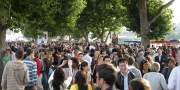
[{"x": 89, "y": 66}]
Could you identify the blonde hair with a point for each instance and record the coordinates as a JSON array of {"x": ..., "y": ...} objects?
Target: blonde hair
[{"x": 140, "y": 84}]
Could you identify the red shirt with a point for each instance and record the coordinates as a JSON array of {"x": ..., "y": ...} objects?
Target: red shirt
[{"x": 39, "y": 66}]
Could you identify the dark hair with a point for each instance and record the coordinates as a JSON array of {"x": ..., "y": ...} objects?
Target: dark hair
[
  {"x": 122, "y": 60},
  {"x": 80, "y": 54},
  {"x": 59, "y": 77},
  {"x": 19, "y": 54},
  {"x": 139, "y": 84},
  {"x": 84, "y": 64},
  {"x": 107, "y": 72},
  {"x": 75, "y": 61},
  {"x": 171, "y": 59},
  {"x": 80, "y": 80},
  {"x": 142, "y": 63},
  {"x": 105, "y": 57},
  {"x": 29, "y": 52},
  {"x": 131, "y": 60}
]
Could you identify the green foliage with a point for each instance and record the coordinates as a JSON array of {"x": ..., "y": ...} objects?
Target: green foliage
[
  {"x": 159, "y": 29},
  {"x": 101, "y": 16},
  {"x": 36, "y": 16}
]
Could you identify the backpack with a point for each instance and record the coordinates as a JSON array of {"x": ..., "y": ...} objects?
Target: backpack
[{"x": 43, "y": 66}]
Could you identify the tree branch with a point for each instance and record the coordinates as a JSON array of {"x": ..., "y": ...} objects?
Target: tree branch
[{"x": 159, "y": 11}]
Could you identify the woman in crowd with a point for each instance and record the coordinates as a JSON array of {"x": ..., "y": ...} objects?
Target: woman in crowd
[
  {"x": 94, "y": 59},
  {"x": 85, "y": 70},
  {"x": 139, "y": 84},
  {"x": 113, "y": 60},
  {"x": 43, "y": 54},
  {"x": 150, "y": 59},
  {"x": 47, "y": 63},
  {"x": 57, "y": 79},
  {"x": 80, "y": 82},
  {"x": 144, "y": 67},
  {"x": 156, "y": 79}
]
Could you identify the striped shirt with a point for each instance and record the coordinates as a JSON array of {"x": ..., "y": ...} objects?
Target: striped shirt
[
  {"x": 136, "y": 71},
  {"x": 32, "y": 67}
]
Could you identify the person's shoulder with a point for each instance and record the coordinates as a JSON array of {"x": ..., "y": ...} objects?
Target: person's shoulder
[
  {"x": 74, "y": 86},
  {"x": 89, "y": 87}
]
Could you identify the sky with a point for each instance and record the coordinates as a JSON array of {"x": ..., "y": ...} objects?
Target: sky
[{"x": 176, "y": 11}]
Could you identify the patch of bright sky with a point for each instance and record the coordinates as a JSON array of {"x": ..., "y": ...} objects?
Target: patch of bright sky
[{"x": 176, "y": 11}]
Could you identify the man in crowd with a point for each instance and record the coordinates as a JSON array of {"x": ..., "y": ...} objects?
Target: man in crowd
[
  {"x": 15, "y": 74},
  {"x": 32, "y": 67},
  {"x": 161, "y": 59},
  {"x": 174, "y": 78},
  {"x": 124, "y": 76},
  {"x": 105, "y": 77},
  {"x": 133, "y": 69}
]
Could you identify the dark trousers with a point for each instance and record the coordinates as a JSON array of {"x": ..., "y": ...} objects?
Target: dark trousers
[{"x": 29, "y": 88}]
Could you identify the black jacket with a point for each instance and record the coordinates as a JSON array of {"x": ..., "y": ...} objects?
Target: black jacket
[{"x": 120, "y": 80}]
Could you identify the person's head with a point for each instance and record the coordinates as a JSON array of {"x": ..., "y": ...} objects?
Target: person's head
[
  {"x": 30, "y": 53},
  {"x": 19, "y": 54},
  {"x": 49, "y": 55},
  {"x": 86, "y": 52},
  {"x": 75, "y": 63},
  {"x": 123, "y": 64},
  {"x": 100, "y": 60},
  {"x": 171, "y": 62},
  {"x": 131, "y": 61},
  {"x": 126, "y": 56},
  {"x": 107, "y": 59},
  {"x": 81, "y": 56},
  {"x": 106, "y": 75},
  {"x": 155, "y": 67},
  {"x": 149, "y": 58},
  {"x": 144, "y": 65},
  {"x": 58, "y": 78},
  {"x": 111, "y": 56},
  {"x": 141, "y": 53},
  {"x": 139, "y": 84},
  {"x": 104, "y": 52},
  {"x": 159, "y": 52},
  {"x": 55, "y": 48},
  {"x": 76, "y": 52},
  {"x": 80, "y": 80},
  {"x": 7, "y": 53},
  {"x": 43, "y": 52},
  {"x": 96, "y": 54},
  {"x": 84, "y": 66}
]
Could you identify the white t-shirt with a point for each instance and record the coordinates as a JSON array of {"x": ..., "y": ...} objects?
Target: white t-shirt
[{"x": 63, "y": 86}]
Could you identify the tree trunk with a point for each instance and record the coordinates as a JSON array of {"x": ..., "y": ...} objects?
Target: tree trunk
[
  {"x": 69, "y": 38},
  {"x": 85, "y": 35},
  {"x": 144, "y": 26},
  {"x": 101, "y": 35},
  {"x": 109, "y": 33},
  {"x": 2, "y": 44}
]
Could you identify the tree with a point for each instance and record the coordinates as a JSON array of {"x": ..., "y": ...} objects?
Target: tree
[
  {"x": 101, "y": 16},
  {"x": 146, "y": 15},
  {"x": 34, "y": 16}
]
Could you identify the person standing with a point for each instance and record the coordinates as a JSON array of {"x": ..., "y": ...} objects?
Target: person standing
[
  {"x": 156, "y": 79},
  {"x": 124, "y": 76},
  {"x": 161, "y": 59},
  {"x": 106, "y": 76},
  {"x": 6, "y": 58},
  {"x": 15, "y": 74},
  {"x": 174, "y": 81},
  {"x": 32, "y": 67}
]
